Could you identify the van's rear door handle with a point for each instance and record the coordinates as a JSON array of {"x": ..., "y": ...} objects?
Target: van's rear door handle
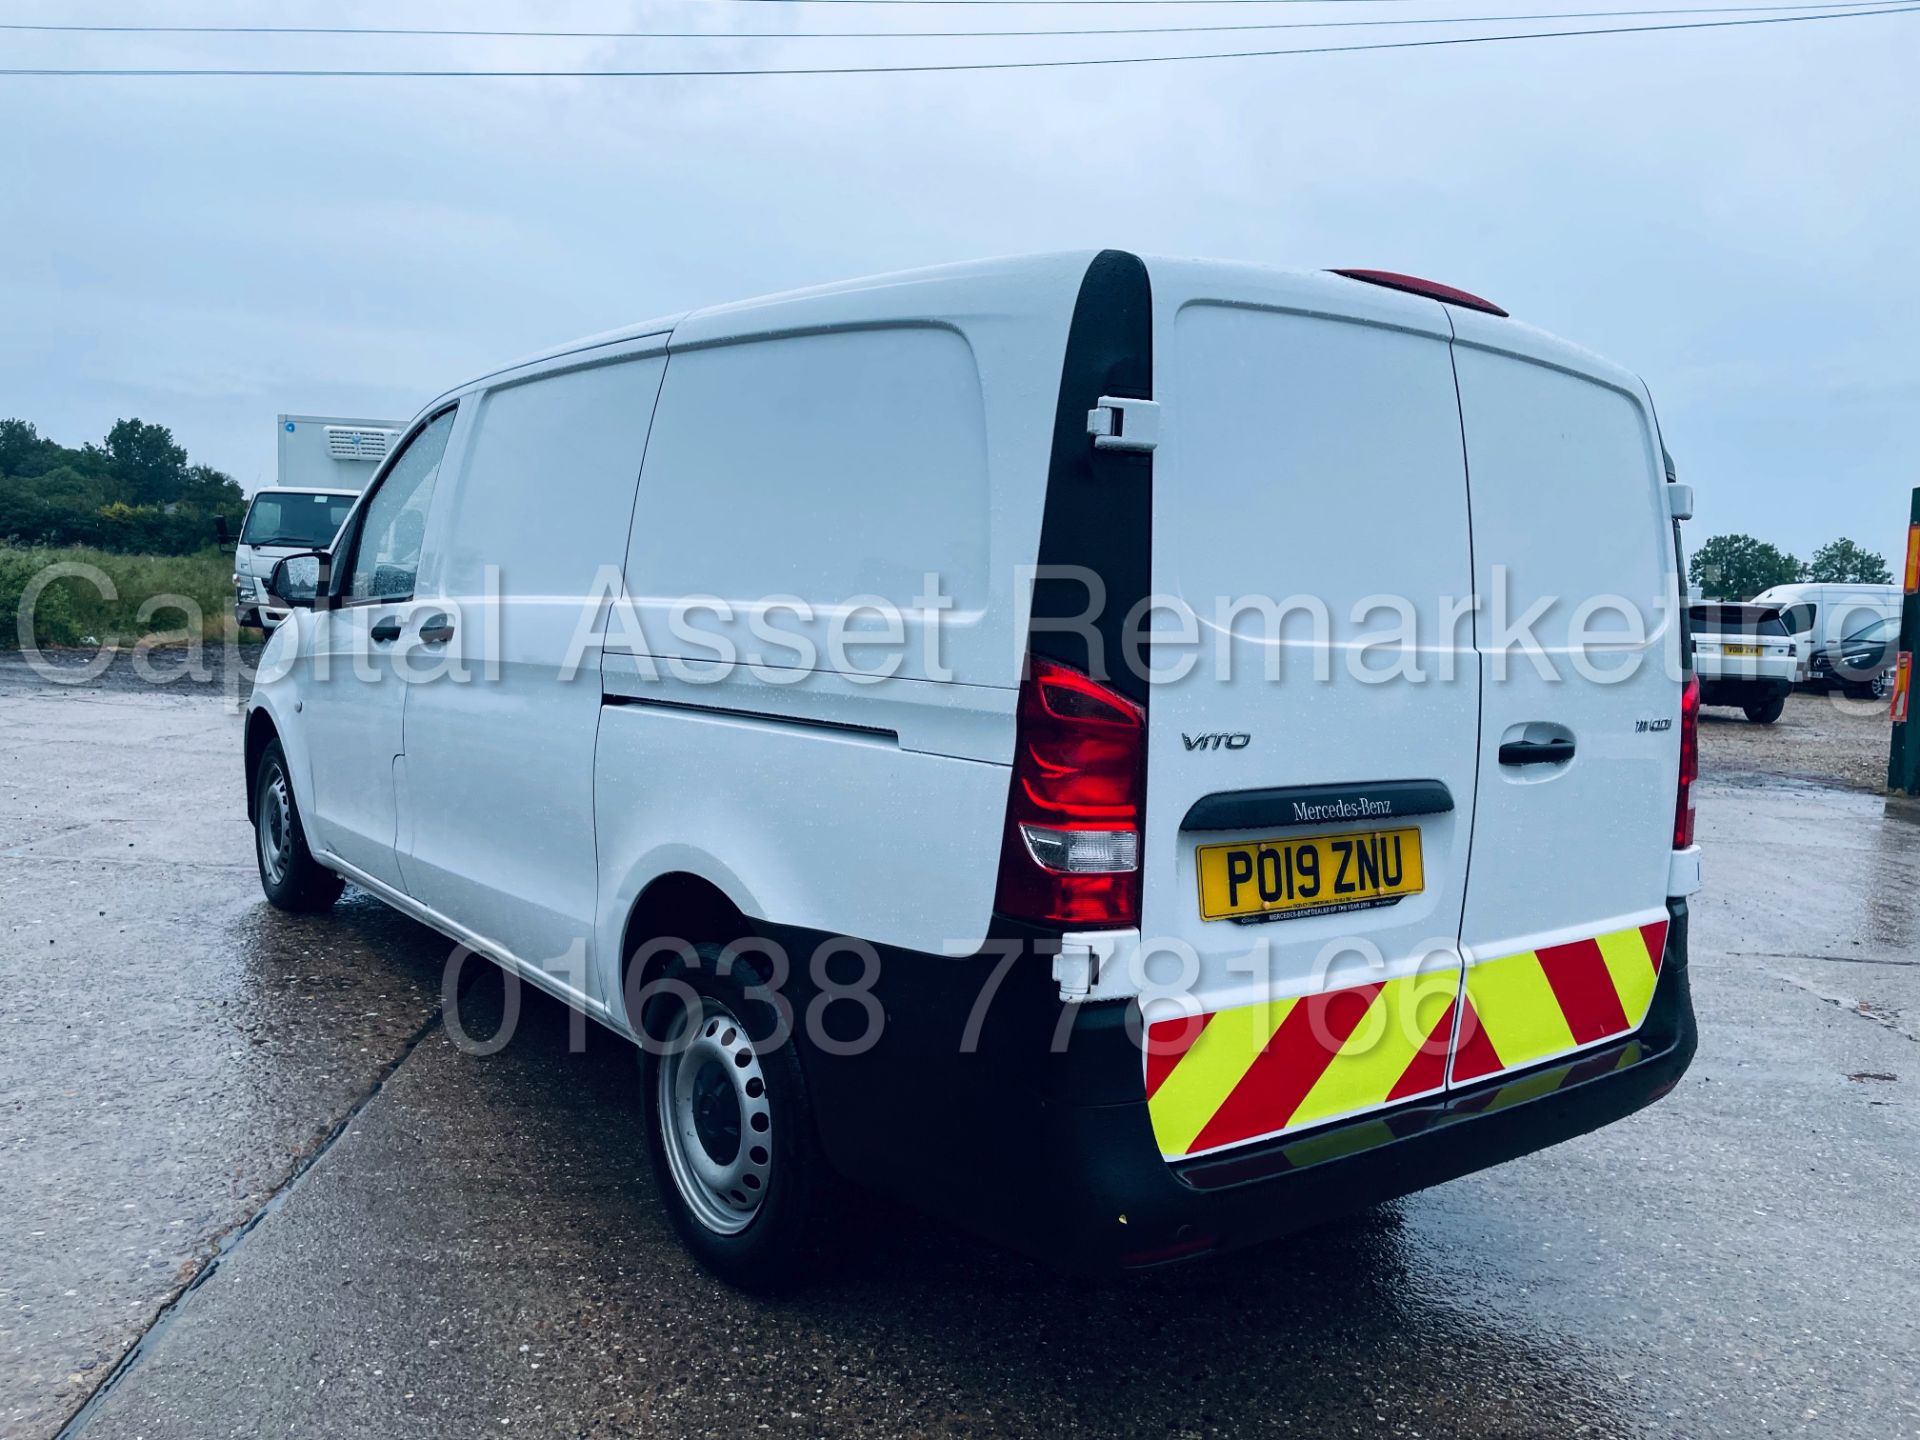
[
  {"x": 1536, "y": 752},
  {"x": 385, "y": 632},
  {"x": 437, "y": 630}
]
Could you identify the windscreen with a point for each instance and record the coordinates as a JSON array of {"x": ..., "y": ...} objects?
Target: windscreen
[
  {"x": 1735, "y": 620},
  {"x": 1877, "y": 631},
  {"x": 295, "y": 517}
]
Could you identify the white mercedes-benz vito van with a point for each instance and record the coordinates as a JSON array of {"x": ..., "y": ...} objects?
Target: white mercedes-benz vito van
[{"x": 1133, "y": 756}]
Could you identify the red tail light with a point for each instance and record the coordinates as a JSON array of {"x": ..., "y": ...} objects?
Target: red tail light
[
  {"x": 1076, "y": 811},
  {"x": 1689, "y": 763}
]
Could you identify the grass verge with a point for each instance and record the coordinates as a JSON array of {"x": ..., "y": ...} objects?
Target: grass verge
[{"x": 79, "y": 596}]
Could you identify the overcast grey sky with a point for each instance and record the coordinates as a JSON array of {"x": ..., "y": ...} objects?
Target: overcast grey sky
[{"x": 1732, "y": 213}]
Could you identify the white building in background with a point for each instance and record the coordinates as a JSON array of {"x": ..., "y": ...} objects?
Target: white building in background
[{"x": 327, "y": 452}]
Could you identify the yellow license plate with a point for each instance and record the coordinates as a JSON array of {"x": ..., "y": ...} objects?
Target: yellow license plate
[
  {"x": 1739, "y": 649},
  {"x": 1311, "y": 875}
]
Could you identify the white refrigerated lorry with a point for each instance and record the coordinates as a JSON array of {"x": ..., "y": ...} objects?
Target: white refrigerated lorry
[{"x": 325, "y": 462}]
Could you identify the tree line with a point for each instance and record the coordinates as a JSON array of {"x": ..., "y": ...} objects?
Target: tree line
[
  {"x": 135, "y": 492},
  {"x": 1739, "y": 567}
]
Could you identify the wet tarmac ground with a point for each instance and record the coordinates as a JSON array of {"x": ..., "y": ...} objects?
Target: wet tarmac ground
[{"x": 250, "y": 1184}]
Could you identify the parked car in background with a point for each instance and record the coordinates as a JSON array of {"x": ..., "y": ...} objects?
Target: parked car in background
[
  {"x": 279, "y": 523},
  {"x": 1862, "y": 663},
  {"x": 1821, "y": 615},
  {"x": 1745, "y": 656}
]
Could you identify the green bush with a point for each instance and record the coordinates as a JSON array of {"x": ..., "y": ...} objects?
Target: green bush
[
  {"x": 71, "y": 609},
  {"x": 134, "y": 493}
]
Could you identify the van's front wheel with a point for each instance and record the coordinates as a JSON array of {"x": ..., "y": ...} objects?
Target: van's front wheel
[
  {"x": 730, "y": 1127},
  {"x": 290, "y": 876}
]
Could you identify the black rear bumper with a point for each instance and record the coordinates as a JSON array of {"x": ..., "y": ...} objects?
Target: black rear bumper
[
  {"x": 1056, "y": 1157},
  {"x": 1742, "y": 692}
]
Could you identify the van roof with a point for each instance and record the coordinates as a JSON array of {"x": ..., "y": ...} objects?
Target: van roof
[
  {"x": 879, "y": 297},
  {"x": 1797, "y": 587}
]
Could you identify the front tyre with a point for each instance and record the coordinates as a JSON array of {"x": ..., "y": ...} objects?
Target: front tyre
[
  {"x": 292, "y": 879},
  {"x": 730, "y": 1128}
]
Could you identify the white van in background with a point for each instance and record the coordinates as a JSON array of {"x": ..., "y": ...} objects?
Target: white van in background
[
  {"x": 1819, "y": 615},
  {"x": 1005, "y": 735}
]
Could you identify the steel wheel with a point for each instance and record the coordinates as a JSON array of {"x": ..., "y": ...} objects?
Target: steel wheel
[
  {"x": 716, "y": 1127},
  {"x": 274, "y": 828}
]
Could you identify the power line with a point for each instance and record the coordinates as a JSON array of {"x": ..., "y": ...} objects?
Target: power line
[
  {"x": 445, "y": 33},
  {"x": 1065, "y": 4},
  {"x": 940, "y": 68},
  {"x": 1068, "y": 4}
]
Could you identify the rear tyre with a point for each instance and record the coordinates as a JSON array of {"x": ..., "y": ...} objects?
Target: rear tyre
[
  {"x": 730, "y": 1128},
  {"x": 1766, "y": 710},
  {"x": 292, "y": 879}
]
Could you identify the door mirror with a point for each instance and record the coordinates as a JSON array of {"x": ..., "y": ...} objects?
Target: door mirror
[
  {"x": 296, "y": 580},
  {"x": 222, "y": 536}
]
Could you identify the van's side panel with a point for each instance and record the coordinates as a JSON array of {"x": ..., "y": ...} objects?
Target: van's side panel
[
  {"x": 1579, "y": 631},
  {"x": 498, "y": 832},
  {"x": 820, "y": 451},
  {"x": 813, "y": 455},
  {"x": 834, "y": 829}
]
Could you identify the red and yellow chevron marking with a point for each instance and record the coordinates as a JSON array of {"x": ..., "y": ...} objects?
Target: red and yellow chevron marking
[
  {"x": 1340, "y": 1141},
  {"x": 1235, "y": 1075},
  {"x": 1245, "y": 1073},
  {"x": 1541, "y": 1003}
]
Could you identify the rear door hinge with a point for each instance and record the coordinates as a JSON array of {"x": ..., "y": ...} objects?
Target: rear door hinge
[
  {"x": 1679, "y": 500},
  {"x": 1117, "y": 423}
]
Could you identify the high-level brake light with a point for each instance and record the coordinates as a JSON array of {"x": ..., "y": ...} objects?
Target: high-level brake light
[{"x": 1432, "y": 289}]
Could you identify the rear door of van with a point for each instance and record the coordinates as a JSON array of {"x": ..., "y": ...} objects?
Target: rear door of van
[
  {"x": 1311, "y": 777},
  {"x": 1579, "y": 734}
]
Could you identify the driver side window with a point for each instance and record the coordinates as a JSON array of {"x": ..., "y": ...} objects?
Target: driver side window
[{"x": 387, "y": 556}]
